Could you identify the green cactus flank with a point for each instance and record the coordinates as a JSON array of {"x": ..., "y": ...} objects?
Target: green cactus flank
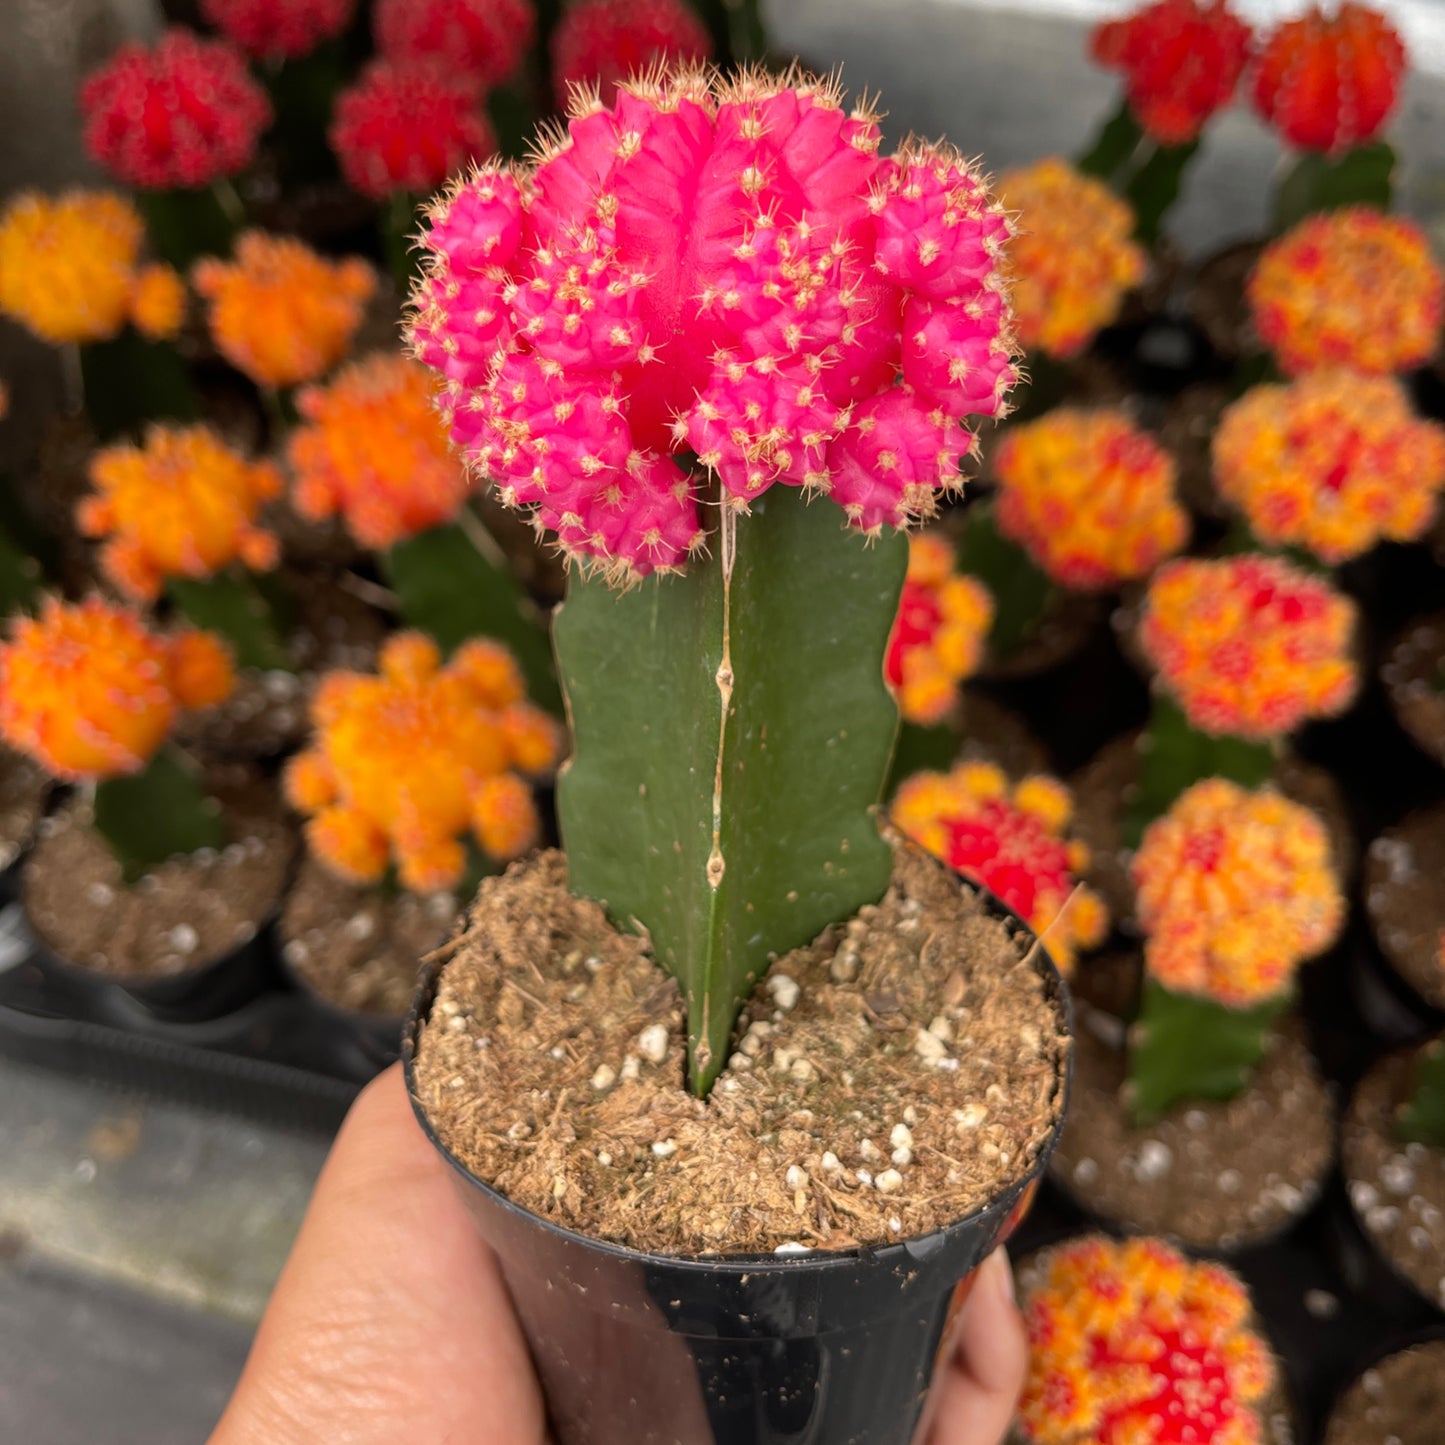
[
  {"x": 250, "y": 612},
  {"x": 1319, "y": 182},
  {"x": 1146, "y": 174},
  {"x": 1422, "y": 1120},
  {"x": 1182, "y": 1046},
  {"x": 731, "y": 740},
  {"x": 1022, "y": 592},
  {"x": 453, "y": 583},
  {"x": 160, "y": 812}
]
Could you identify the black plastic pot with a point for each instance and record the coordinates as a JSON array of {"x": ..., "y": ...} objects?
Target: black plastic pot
[
  {"x": 193, "y": 995},
  {"x": 376, "y": 1037},
  {"x": 819, "y": 1349}
]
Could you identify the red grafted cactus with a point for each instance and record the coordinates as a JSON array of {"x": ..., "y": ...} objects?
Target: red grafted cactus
[
  {"x": 1236, "y": 890},
  {"x": 1329, "y": 82},
  {"x": 89, "y": 692},
  {"x": 1334, "y": 462},
  {"x": 278, "y": 29},
  {"x": 1132, "y": 1344},
  {"x": 1089, "y": 496},
  {"x": 1181, "y": 61},
  {"x": 483, "y": 40},
  {"x": 727, "y": 269},
  {"x": 1250, "y": 646},
  {"x": 407, "y": 128},
  {"x": 599, "y": 43},
  {"x": 940, "y": 634},
  {"x": 180, "y": 115},
  {"x": 1012, "y": 840},
  {"x": 1351, "y": 288}
]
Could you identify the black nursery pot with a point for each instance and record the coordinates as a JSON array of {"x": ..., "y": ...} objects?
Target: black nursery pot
[
  {"x": 194, "y": 995},
  {"x": 831, "y": 1348},
  {"x": 374, "y": 1039}
]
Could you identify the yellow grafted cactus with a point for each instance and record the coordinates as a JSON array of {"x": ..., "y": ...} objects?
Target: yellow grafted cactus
[
  {"x": 374, "y": 449},
  {"x": 89, "y": 692},
  {"x": 70, "y": 270},
  {"x": 1089, "y": 496},
  {"x": 1130, "y": 1343},
  {"x": 940, "y": 634},
  {"x": 1334, "y": 462},
  {"x": 1352, "y": 288},
  {"x": 1011, "y": 840},
  {"x": 1236, "y": 890},
  {"x": 182, "y": 505},
  {"x": 279, "y": 312},
  {"x": 1073, "y": 259},
  {"x": 1249, "y": 646},
  {"x": 407, "y": 763}
]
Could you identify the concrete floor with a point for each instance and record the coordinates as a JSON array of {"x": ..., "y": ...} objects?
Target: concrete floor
[{"x": 138, "y": 1244}]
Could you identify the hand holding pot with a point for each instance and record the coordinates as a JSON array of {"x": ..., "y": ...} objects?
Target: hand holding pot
[{"x": 391, "y": 1320}]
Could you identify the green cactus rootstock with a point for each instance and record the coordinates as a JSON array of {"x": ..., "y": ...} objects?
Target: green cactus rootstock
[
  {"x": 1319, "y": 182},
  {"x": 158, "y": 813},
  {"x": 1187, "y": 1048},
  {"x": 233, "y": 605},
  {"x": 731, "y": 739},
  {"x": 453, "y": 583},
  {"x": 1022, "y": 592},
  {"x": 1422, "y": 1120},
  {"x": 1175, "y": 755}
]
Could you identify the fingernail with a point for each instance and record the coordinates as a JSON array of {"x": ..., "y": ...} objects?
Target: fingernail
[{"x": 1004, "y": 1271}]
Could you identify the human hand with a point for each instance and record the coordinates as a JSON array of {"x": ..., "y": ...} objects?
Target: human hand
[{"x": 391, "y": 1320}]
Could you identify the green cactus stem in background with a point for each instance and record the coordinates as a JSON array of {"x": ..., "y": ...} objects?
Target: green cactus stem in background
[
  {"x": 1175, "y": 755},
  {"x": 1022, "y": 592},
  {"x": 130, "y": 380},
  {"x": 1182, "y": 1047},
  {"x": 234, "y": 605},
  {"x": 303, "y": 91},
  {"x": 1114, "y": 147},
  {"x": 453, "y": 583},
  {"x": 1148, "y": 175},
  {"x": 731, "y": 734},
  {"x": 184, "y": 225},
  {"x": 1422, "y": 1121},
  {"x": 1318, "y": 182},
  {"x": 159, "y": 813}
]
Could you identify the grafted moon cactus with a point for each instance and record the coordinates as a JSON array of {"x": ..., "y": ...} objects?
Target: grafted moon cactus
[
  {"x": 722, "y": 348},
  {"x": 725, "y": 271}
]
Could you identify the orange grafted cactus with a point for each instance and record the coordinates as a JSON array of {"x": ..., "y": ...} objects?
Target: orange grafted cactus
[
  {"x": 279, "y": 312},
  {"x": 1335, "y": 462},
  {"x": 374, "y": 448},
  {"x": 1330, "y": 82},
  {"x": 1236, "y": 890},
  {"x": 70, "y": 269},
  {"x": 941, "y": 631},
  {"x": 1089, "y": 496},
  {"x": 1250, "y": 646},
  {"x": 1011, "y": 840},
  {"x": 89, "y": 692},
  {"x": 1132, "y": 1344},
  {"x": 405, "y": 764},
  {"x": 1072, "y": 257},
  {"x": 183, "y": 505},
  {"x": 1351, "y": 288}
]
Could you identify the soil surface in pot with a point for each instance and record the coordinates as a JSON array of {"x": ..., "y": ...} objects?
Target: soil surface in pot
[
  {"x": 23, "y": 791},
  {"x": 1414, "y": 676},
  {"x": 891, "y": 1078},
  {"x": 1212, "y": 1175},
  {"x": 359, "y": 947},
  {"x": 1397, "y": 1189},
  {"x": 1400, "y": 1401},
  {"x": 1104, "y": 788},
  {"x": 182, "y": 915},
  {"x": 1403, "y": 872},
  {"x": 1219, "y": 303}
]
